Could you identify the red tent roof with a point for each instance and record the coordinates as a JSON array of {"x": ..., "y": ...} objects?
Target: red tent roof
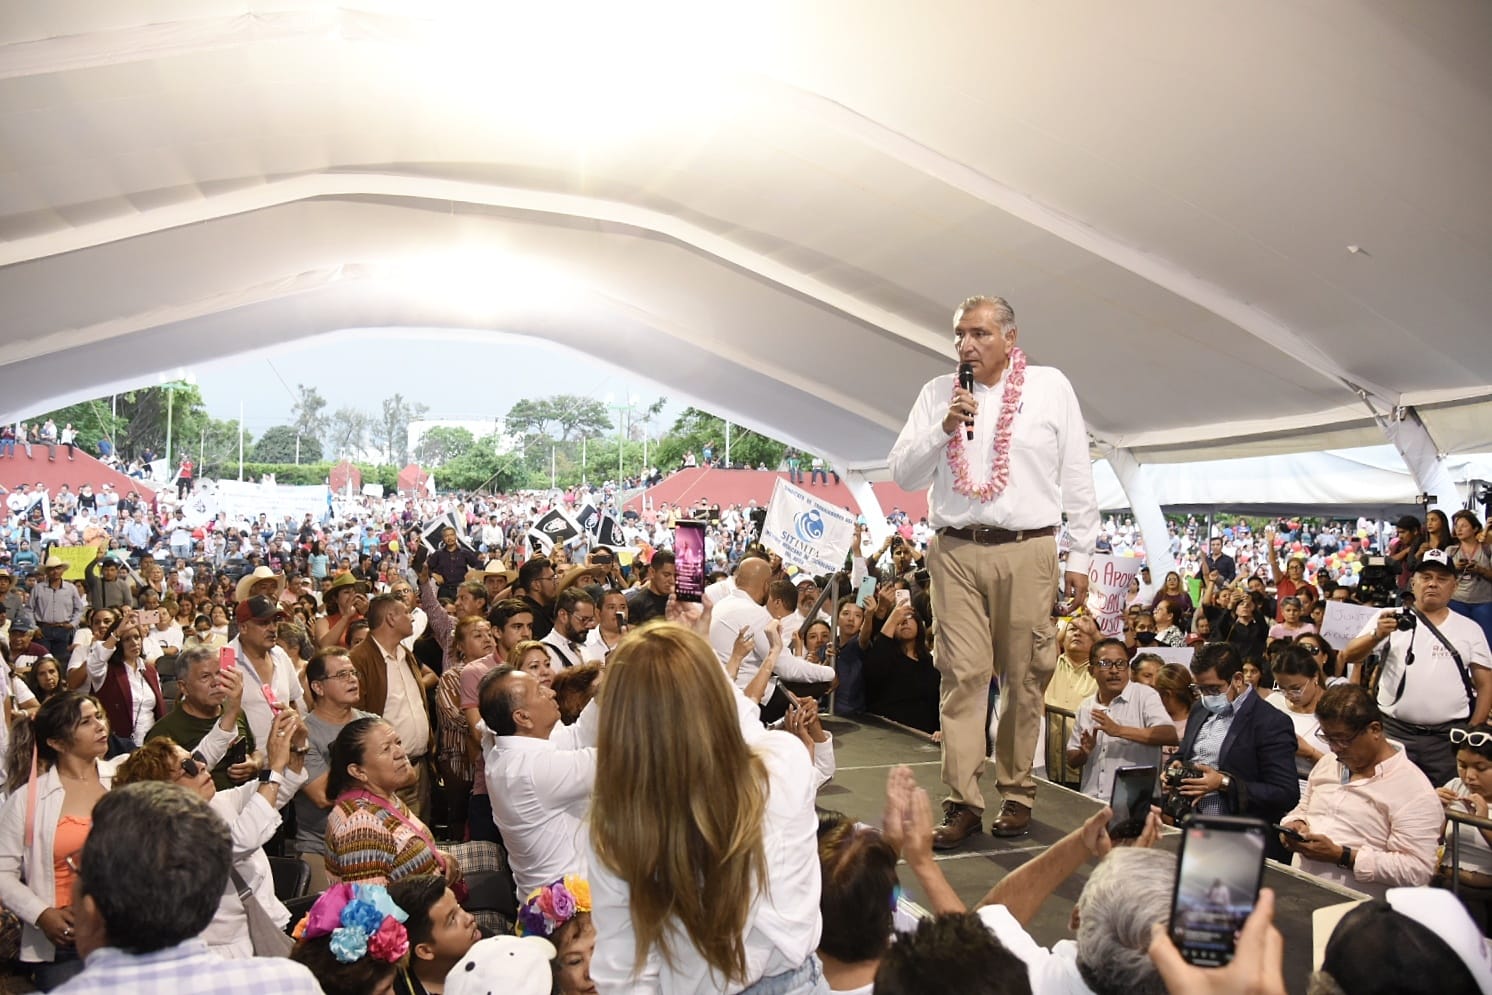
[
  {"x": 412, "y": 478},
  {"x": 83, "y": 469},
  {"x": 728, "y": 487},
  {"x": 341, "y": 474}
]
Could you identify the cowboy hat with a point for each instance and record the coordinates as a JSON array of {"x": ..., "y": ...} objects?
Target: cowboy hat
[
  {"x": 54, "y": 562},
  {"x": 346, "y": 580},
  {"x": 493, "y": 569},
  {"x": 248, "y": 580}
]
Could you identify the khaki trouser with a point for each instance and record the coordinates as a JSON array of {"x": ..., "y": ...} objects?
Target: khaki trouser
[{"x": 993, "y": 606}]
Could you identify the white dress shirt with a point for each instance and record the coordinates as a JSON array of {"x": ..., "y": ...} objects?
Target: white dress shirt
[
  {"x": 784, "y": 922},
  {"x": 252, "y": 821},
  {"x": 404, "y": 702},
  {"x": 540, "y": 790},
  {"x": 595, "y": 649},
  {"x": 283, "y": 682},
  {"x": 1050, "y": 471},
  {"x": 142, "y": 697},
  {"x": 739, "y": 611},
  {"x": 1138, "y": 705},
  {"x": 564, "y": 653}
]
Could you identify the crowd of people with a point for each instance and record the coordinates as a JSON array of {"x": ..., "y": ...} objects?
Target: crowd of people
[{"x": 401, "y": 694}]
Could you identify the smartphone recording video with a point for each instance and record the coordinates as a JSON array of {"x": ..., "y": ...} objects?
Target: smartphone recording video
[
  {"x": 689, "y": 560},
  {"x": 1134, "y": 790},
  {"x": 1218, "y": 874}
]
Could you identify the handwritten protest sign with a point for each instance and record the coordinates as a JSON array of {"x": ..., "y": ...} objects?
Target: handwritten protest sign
[{"x": 1343, "y": 622}]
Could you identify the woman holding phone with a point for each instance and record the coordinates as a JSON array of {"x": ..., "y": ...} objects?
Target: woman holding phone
[{"x": 128, "y": 686}]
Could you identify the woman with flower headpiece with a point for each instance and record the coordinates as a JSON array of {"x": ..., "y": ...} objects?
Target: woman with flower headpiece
[
  {"x": 703, "y": 867},
  {"x": 353, "y": 940},
  {"x": 561, "y": 913}
]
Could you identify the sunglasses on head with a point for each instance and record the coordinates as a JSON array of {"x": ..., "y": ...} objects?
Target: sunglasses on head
[{"x": 1475, "y": 740}]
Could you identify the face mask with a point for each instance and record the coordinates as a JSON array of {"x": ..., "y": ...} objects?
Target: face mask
[
  {"x": 1144, "y": 638},
  {"x": 1215, "y": 703}
]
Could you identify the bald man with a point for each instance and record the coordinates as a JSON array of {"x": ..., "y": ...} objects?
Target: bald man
[{"x": 745, "y": 610}]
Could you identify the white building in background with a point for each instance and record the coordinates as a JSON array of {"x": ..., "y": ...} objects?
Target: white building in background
[{"x": 478, "y": 427}]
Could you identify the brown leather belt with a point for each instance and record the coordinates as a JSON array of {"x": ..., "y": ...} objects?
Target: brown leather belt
[{"x": 988, "y": 535}]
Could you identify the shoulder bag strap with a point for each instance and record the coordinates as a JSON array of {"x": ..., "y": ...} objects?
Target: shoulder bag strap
[{"x": 1455, "y": 655}]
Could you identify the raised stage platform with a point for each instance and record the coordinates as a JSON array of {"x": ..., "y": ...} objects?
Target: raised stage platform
[{"x": 866, "y": 750}]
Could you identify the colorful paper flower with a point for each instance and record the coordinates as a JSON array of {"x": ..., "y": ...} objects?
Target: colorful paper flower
[
  {"x": 363, "y": 915},
  {"x": 378, "y": 896},
  {"x": 349, "y": 943},
  {"x": 390, "y": 943},
  {"x": 326, "y": 914},
  {"x": 548, "y": 908},
  {"x": 580, "y": 888}
]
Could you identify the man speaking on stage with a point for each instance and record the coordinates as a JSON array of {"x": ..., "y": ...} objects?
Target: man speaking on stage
[{"x": 1005, "y": 455}]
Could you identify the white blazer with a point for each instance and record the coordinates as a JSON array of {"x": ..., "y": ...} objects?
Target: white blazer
[{"x": 27, "y": 886}]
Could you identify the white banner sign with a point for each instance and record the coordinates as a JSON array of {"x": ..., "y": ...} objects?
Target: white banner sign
[
  {"x": 244, "y": 499},
  {"x": 1108, "y": 590},
  {"x": 1343, "y": 622},
  {"x": 806, "y": 532},
  {"x": 373, "y": 490}
]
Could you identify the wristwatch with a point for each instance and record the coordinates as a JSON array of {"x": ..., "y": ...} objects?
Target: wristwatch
[
  {"x": 1345, "y": 860},
  {"x": 1227, "y": 782},
  {"x": 268, "y": 776}
]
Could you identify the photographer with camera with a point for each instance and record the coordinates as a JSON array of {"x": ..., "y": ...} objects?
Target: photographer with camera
[
  {"x": 1238, "y": 754},
  {"x": 1435, "y": 668}
]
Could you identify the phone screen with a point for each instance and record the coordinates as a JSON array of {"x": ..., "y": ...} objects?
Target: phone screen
[
  {"x": 1217, "y": 882},
  {"x": 689, "y": 560},
  {"x": 1134, "y": 788}
]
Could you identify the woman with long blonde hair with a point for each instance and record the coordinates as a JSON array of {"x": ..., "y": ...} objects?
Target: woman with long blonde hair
[{"x": 703, "y": 864}]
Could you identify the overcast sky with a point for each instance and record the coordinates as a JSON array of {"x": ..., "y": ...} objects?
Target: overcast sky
[{"x": 461, "y": 379}]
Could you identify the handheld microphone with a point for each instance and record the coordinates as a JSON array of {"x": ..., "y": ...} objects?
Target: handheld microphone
[{"x": 966, "y": 381}]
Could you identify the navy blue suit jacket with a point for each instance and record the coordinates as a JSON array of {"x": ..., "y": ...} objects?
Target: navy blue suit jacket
[{"x": 1259, "y": 754}]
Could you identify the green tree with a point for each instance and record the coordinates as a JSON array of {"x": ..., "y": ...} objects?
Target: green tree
[
  {"x": 694, "y": 429},
  {"x": 442, "y": 444},
  {"x": 347, "y": 430},
  {"x": 277, "y": 445},
  {"x": 309, "y": 411},
  {"x": 482, "y": 466},
  {"x": 390, "y": 432},
  {"x": 218, "y": 446},
  {"x": 141, "y": 420},
  {"x": 562, "y": 417}
]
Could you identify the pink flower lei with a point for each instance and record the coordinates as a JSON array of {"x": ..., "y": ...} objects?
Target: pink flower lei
[{"x": 1015, "y": 382}]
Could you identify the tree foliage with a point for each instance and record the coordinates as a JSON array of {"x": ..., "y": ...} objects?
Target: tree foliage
[
  {"x": 442, "y": 444},
  {"x": 277, "y": 445},
  {"x": 390, "y": 431},
  {"x": 694, "y": 429},
  {"x": 481, "y": 466},
  {"x": 141, "y": 420},
  {"x": 309, "y": 413},
  {"x": 347, "y": 431},
  {"x": 562, "y": 417}
]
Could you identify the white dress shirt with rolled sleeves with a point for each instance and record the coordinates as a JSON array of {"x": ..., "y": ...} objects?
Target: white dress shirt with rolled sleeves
[
  {"x": 1050, "y": 470},
  {"x": 739, "y": 611},
  {"x": 540, "y": 790}
]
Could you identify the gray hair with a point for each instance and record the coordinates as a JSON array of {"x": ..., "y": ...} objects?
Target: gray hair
[
  {"x": 1004, "y": 313},
  {"x": 193, "y": 655},
  {"x": 151, "y": 839},
  {"x": 1125, "y": 896}
]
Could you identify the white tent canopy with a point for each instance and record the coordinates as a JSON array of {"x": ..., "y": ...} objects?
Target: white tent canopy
[
  {"x": 773, "y": 211},
  {"x": 1371, "y": 481}
]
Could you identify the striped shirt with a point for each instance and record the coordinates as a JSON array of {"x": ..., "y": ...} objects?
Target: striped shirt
[
  {"x": 366, "y": 843},
  {"x": 189, "y": 968}
]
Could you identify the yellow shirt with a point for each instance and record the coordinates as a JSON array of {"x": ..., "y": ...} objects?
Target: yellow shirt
[{"x": 1071, "y": 683}]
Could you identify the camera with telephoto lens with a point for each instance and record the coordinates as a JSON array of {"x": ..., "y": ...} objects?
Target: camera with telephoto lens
[{"x": 1174, "y": 805}]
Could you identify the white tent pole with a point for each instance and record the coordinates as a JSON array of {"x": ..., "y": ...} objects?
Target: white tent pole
[
  {"x": 869, "y": 504},
  {"x": 1409, "y": 436},
  {"x": 1146, "y": 508}
]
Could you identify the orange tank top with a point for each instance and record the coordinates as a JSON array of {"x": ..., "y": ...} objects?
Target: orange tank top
[{"x": 72, "y": 833}]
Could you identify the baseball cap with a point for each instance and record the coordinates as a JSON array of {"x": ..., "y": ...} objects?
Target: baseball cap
[
  {"x": 1430, "y": 934},
  {"x": 258, "y": 609},
  {"x": 1435, "y": 559}
]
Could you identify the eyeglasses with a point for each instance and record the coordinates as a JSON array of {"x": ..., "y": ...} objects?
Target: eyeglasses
[
  {"x": 1291, "y": 693},
  {"x": 1338, "y": 743},
  {"x": 1475, "y": 740},
  {"x": 190, "y": 767},
  {"x": 1110, "y": 664},
  {"x": 1199, "y": 689},
  {"x": 1313, "y": 649},
  {"x": 341, "y": 675}
]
